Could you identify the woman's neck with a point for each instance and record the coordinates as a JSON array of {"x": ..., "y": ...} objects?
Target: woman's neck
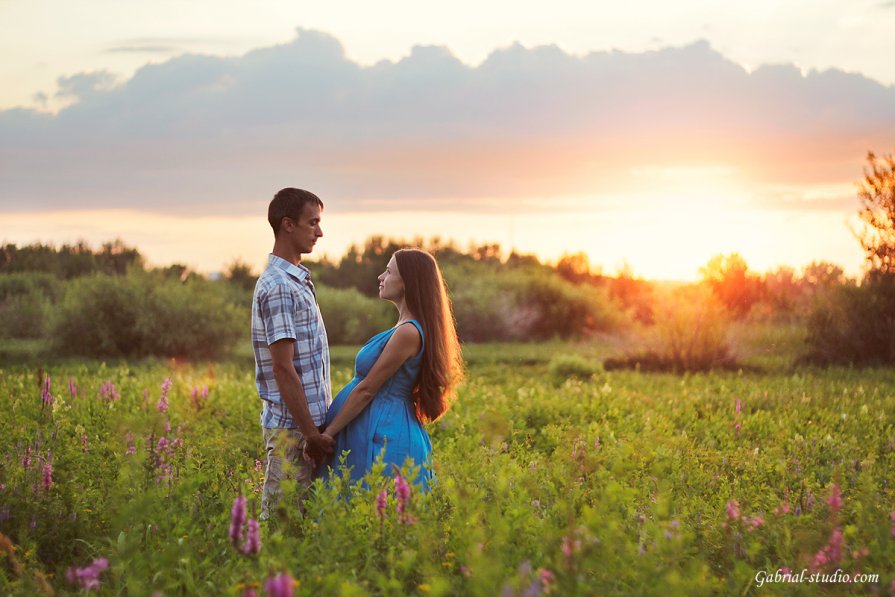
[{"x": 404, "y": 313}]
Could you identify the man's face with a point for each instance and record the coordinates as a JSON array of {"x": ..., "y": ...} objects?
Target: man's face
[{"x": 306, "y": 230}]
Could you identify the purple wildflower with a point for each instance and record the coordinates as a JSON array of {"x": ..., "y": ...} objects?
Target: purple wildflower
[
  {"x": 26, "y": 459},
  {"x": 381, "y": 503},
  {"x": 237, "y": 518},
  {"x": 47, "y": 475},
  {"x": 45, "y": 396},
  {"x": 733, "y": 510},
  {"x": 402, "y": 492},
  {"x": 87, "y": 578},
  {"x": 831, "y": 552},
  {"x": 131, "y": 448},
  {"x": 253, "y": 538},
  {"x": 280, "y": 585},
  {"x": 570, "y": 546},
  {"x": 835, "y": 499},
  {"x": 72, "y": 388},
  {"x": 162, "y": 444},
  {"x": 163, "y": 401}
]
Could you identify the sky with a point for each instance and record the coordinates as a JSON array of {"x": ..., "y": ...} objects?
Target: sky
[{"x": 648, "y": 134}]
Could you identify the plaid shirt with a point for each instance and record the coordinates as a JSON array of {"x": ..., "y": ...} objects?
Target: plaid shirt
[{"x": 285, "y": 306}]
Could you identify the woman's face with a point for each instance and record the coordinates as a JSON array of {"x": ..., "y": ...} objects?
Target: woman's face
[{"x": 391, "y": 286}]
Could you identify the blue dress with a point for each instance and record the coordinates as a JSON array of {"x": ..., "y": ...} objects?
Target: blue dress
[{"x": 388, "y": 425}]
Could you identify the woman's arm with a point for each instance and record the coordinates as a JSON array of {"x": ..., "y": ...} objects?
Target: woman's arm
[{"x": 404, "y": 344}]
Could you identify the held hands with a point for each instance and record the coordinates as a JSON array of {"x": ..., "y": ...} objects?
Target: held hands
[{"x": 318, "y": 448}]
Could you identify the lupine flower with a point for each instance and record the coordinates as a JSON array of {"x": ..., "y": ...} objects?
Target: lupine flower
[
  {"x": 84, "y": 442},
  {"x": 237, "y": 518},
  {"x": 782, "y": 509},
  {"x": 831, "y": 552},
  {"x": 280, "y": 585},
  {"x": 402, "y": 492},
  {"x": 253, "y": 538},
  {"x": 835, "y": 498},
  {"x": 162, "y": 444},
  {"x": 47, "y": 475},
  {"x": 547, "y": 579},
  {"x": 756, "y": 522},
  {"x": 570, "y": 546},
  {"x": 163, "y": 400},
  {"x": 250, "y": 592},
  {"x": 381, "y": 503},
  {"x": 167, "y": 426},
  {"x": 45, "y": 396},
  {"x": 72, "y": 389},
  {"x": 131, "y": 448},
  {"x": 108, "y": 392},
  {"x": 733, "y": 510},
  {"x": 26, "y": 459},
  {"x": 87, "y": 578},
  {"x": 738, "y": 407}
]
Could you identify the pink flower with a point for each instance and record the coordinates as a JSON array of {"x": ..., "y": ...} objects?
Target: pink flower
[
  {"x": 237, "y": 518},
  {"x": 733, "y": 510},
  {"x": 45, "y": 396},
  {"x": 167, "y": 426},
  {"x": 381, "y": 503},
  {"x": 280, "y": 585},
  {"x": 47, "y": 476},
  {"x": 72, "y": 389},
  {"x": 131, "y": 448},
  {"x": 250, "y": 592},
  {"x": 738, "y": 407},
  {"x": 547, "y": 579},
  {"x": 26, "y": 459},
  {"x": 84, "y": 442},
  {"x": 258, "y": 466},
  {"x": 402, "y": 492},
  {"x": 253, "y": 538},
  {"x": 162, "y": 405},
  {"x": 831, "y": 552},
  {"x": 87, "y": 578},
  {"x": 570, "y": 546},
  {"x": 782, "y": 509},
  {"x": 756, "y": 522},
  {"x": 162, "y": 444},
  {"x": 835, "y": 499}
]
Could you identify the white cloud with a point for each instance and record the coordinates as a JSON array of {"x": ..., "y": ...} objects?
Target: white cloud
[{"x": 199, "y": 133}]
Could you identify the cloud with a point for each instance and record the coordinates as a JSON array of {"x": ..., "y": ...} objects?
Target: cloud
[
  {"x": 143, "y": 49},
  {"x": 199, "y": 133}
]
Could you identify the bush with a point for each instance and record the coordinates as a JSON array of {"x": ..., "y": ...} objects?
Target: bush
[
  {"x": 571, "y": 366},
  {"x": 854, "y": 324},
  {"x": 690, "y": 334},
  {"x": 26, "y": 301},
  {"x": 352, "y": 318},
  {"x": 140, "y": 315}
]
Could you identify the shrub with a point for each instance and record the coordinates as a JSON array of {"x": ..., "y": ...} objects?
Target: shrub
[
  {"x": 571, "y": 366},
  {"x": 139, "y": 315},
  {"x": 690, "y": 334},
  {"x": 350, "y": 317},
  {"x": 25, "y": 304},
  {"x": 854, "y": 324}
]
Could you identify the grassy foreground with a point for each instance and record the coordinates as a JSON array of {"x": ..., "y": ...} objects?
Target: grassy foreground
[{"x": 620, "y": 483}]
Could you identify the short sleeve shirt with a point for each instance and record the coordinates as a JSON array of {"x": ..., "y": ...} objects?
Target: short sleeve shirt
[{"x": 284, "y": 306}]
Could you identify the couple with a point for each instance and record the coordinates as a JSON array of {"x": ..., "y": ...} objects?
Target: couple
[{"x": 403, "y": 376}]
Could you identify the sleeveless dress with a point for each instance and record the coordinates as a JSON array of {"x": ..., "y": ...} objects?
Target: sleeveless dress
[{"x": 388, "y": 422}]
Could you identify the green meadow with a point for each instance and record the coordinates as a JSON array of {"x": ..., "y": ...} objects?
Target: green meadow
[{"x": 553, "y": 477}]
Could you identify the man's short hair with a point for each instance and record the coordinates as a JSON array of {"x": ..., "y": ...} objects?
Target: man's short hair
[{"x": 288, "y": 203}]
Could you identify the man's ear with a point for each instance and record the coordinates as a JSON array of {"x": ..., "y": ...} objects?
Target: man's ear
[{"x": 287, "y": 224}]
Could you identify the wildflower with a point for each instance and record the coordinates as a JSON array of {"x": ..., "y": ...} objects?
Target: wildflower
[
  {"x": 46, "y": 397},
  {"x": 547, "y": 579},
  {"x": 87, "y": 578},
  {"x": 131, "y": 448},
  {"x": 162, "y": 405},
  {"x": 237, "y": 518},
  {"x": 381, "y": 503},
  {"x": 831, "y": 552},
  {"x": 570, "y": 546},
  {"x": 756, "y": 522},
  {"x": 167, "y": 426},
  {"x": 258, "y": 465},
  {"x": 733, "y": 510},
  {"x": 162, "y": 444},
  {"x": 835, "y": 498},
  {"x": 108, "y": 392},
  {"x": 536, "y": 503},
  {"x": 47, "y": 476},
  {"x": 26, "y": 459},
  {"x": 402, "y": 492},
  {"x": 782, "y": 509},
  {"x": 280, "y": 585},
  {"x": 72, "y": 389},
  {"x": 253, "y": 538},
  {"x": 250, "y": 592},
  {"x": 84, "y": 442},
  {"x": 738, "y": 407}
]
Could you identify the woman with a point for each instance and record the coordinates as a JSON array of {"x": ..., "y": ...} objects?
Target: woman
[{"x": 403, "y": 377}]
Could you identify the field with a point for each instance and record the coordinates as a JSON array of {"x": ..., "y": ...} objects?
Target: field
[{"x": 552, "y": 479}]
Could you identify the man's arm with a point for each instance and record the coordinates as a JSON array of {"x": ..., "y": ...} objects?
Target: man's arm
[{"x": 292, "y": 393}]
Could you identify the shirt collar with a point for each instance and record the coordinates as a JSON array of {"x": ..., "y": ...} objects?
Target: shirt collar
[{"x": 298, "y": 272}]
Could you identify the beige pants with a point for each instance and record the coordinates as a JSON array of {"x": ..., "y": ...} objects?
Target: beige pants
[{"x": 284, "y": 456}]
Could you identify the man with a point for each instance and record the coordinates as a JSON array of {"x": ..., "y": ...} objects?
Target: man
[{"x": 291, "y": 352}]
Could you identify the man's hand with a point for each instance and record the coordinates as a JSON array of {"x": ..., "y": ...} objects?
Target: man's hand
[{"x": 319, "y": 447}]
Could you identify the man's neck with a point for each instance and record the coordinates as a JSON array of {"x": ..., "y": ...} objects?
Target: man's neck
[{"x": 285, "y": 252}]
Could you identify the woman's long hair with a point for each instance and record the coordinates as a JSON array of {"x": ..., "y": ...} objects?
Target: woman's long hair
[{"x": 442, "y": 366}]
